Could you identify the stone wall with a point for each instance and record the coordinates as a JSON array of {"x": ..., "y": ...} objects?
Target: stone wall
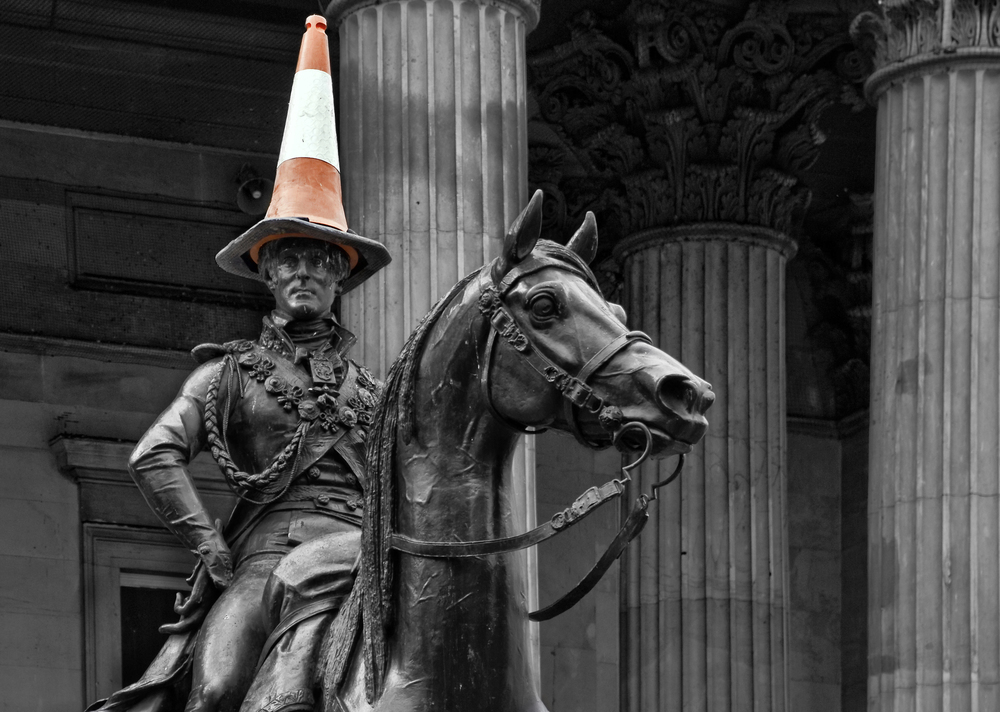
[
  {"x": 95, "y": 359},
  {"x": 106, "y": 240},
  {"x": 827, "y": 540},
  {"x": 854, "y": 572},
  {"x": 579, "y": 648},
  {"x": 111, "y": 240},
  {"x": 814, "y": 534},
  {"x": 41, "y": 616}
]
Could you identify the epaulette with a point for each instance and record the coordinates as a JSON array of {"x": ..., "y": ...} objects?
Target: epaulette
[{"x": 202, "y": 353}]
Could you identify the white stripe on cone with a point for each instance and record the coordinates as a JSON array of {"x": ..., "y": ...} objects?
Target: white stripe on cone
[{"x": 311, "y": 126}]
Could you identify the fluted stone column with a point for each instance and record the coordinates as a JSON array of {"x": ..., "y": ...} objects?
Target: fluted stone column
[
  {"x": 434, "y": 147},
  {"x": 434, "y": 150},
  {"x": 934, "y": 511},
  {"x": 706, "y": 609},
  {"x": 693, "y": 175}
]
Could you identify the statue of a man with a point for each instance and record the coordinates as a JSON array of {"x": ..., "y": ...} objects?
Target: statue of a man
[
  {"x": 289, "y": 407},
  {"x": 286, "y": 417}
]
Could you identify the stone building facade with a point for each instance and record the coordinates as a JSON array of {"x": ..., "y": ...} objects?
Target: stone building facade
[{"x": 799, "y": 200}]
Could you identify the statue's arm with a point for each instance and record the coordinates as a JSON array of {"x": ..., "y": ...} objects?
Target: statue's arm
[{"x": 159, "y": 466}]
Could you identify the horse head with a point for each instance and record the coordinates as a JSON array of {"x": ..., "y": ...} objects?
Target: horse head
[
  {"x": 525, "y": 343},
  {"x": 561, "y": 356}
]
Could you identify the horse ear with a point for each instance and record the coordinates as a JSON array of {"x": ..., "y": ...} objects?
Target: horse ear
[
  {"x": 522, "y": 235},
  {"x": 584, "y": 240}
]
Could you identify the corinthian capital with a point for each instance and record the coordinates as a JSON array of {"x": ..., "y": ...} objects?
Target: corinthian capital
[
  {"x": 902, "y": 37},
  {"x": 680, "y": 113}
]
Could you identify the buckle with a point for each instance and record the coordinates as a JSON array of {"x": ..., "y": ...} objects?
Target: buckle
[
  {"x": 505, "y": 325},
  {"x": 578, "y": 392},
  {"x": 585, "y": 503}
]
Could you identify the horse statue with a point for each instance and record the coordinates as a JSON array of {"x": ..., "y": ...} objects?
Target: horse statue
[{"x": 436, "y": 621}]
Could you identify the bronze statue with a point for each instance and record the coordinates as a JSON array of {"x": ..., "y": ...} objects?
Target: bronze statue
[
  {"x": 528, "y": 342},
  {"x": 432, "y": 623},
  {"x": 290, "y": 406},
  {"x": 295, "y": 606},
  {"x": 285, "y": 416}
]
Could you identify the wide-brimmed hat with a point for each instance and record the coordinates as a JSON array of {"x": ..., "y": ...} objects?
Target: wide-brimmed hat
[{"x": 308, "y": 198}]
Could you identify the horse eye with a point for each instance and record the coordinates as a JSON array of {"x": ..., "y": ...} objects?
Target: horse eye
[{"x": 544, "y": 306}]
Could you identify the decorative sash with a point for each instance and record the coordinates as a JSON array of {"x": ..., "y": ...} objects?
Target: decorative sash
[{"x": 327, "y": 410}]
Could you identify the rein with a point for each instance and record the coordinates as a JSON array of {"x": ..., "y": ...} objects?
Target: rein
[{"x": 576, "y": 394}]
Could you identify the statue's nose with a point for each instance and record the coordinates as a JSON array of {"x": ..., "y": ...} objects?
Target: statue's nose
[{"x": 685, "y": 396}]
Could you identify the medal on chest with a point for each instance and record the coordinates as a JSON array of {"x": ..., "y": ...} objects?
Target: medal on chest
[{"x": 331, "y": 401}]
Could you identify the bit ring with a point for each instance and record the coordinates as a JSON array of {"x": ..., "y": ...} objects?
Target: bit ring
[{"x": 627, "y": 469}]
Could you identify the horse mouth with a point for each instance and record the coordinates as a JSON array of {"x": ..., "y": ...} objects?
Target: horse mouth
[{"x": 663, "y": 444}]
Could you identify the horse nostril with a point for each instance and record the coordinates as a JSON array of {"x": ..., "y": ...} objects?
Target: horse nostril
[
  {"x": 706, "y": 401},
  {"x": 677, "y": 393}
]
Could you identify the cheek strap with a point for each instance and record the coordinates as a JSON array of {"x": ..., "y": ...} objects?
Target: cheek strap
[
  {"x": 484, "y": 385},
  {"x": 574, "y": 389}
]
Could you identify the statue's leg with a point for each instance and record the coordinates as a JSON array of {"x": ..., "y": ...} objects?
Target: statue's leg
[
  {"x": 301, "y": 599},
  {"x": 230, "y": 641}
]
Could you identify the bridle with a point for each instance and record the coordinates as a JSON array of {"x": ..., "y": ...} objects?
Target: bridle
[
  {"x": 573, "y": 388},
  {"x": 576, "y": 394}
]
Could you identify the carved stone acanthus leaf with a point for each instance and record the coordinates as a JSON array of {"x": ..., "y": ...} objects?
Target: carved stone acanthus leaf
[
  {"x": 701, "y": 117},
  {"x": 901, "y": 30}
]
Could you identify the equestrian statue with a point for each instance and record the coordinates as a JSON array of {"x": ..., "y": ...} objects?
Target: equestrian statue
[{"x": 371, "y": 563}]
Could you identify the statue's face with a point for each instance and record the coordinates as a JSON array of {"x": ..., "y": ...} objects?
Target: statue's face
[{"x": 304, "y": 278}]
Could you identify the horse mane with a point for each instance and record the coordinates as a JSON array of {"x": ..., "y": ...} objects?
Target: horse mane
[{"x": 370, "y": 607}]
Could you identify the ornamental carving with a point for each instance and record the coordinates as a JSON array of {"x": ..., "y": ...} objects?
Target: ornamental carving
[
  {"x": 897, "y": 30},
  {"x": 837, "y": 261},
  {"x": 679, "y": 113}
]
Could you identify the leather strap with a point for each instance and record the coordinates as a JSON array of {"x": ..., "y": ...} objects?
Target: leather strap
[
  {"x": 577, "y": 394},
  {"x": 233, "y": 537},
  {"x": 581, "y": 507},
  {"x": 526, "y": 267},
  {"x": 574, "y": 389},
  {"x": 609, "y": 350},
  {"x": 294, "y": 618},
  {"x": 595, "y": 362},
  {"x": 629, "y": 531},
  {"x": 484, "y": 384},
  {"x": 590, "y": 500}
]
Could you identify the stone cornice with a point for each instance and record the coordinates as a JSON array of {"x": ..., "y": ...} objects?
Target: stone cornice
[
  {"x": 107, "y": 492},
  {"x": 97, "y": 460},
  {"x": 337, "y": 10},
  {"x": 160, "y": 26},
  {"x": 906, "y": 38},
  {"x": 112, "y": 353},
  {"x": 753, "y": 235}
]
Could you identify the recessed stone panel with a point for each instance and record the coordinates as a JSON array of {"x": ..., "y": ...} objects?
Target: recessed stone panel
[{"x": 157, "y": 249}]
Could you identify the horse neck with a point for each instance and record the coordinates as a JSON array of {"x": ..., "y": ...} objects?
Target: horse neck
[
  {"x": 457, "y": 456},
  {"x": 452, "y": 485}
]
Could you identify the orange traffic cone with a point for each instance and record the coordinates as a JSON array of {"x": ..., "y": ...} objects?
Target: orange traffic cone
[{"x": 308, "y": 198}]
